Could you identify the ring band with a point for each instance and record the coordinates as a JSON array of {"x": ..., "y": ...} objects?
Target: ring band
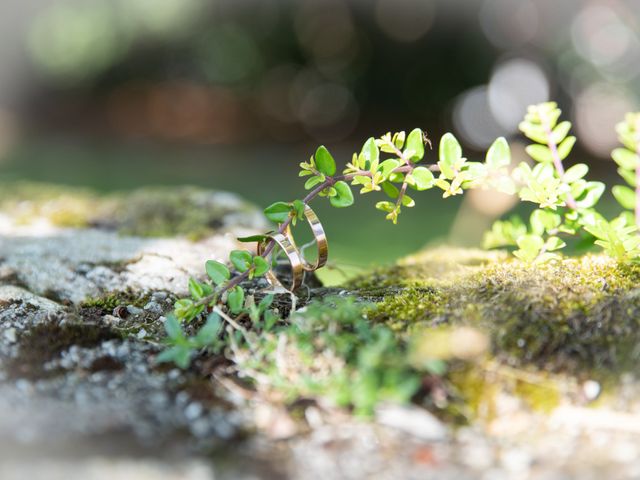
[
  {"x": 321, "y": 241},
  {"x": 288, "y": 247}
]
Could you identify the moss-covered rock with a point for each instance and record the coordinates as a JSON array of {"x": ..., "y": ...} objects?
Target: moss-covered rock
[
  {"x": 573, "y": 315},
  {"x": 148, "y": 212}
]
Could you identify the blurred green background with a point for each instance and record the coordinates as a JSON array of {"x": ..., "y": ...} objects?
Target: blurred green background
[{"x": 233, "y": 94}]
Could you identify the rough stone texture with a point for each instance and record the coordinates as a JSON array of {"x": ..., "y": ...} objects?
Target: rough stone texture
[{"x": 82, "y": 398}]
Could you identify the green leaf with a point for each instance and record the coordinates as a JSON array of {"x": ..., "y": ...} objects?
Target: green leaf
[
  {"x": 210, "y": 330},
  {"x": 450, "y": 153},
  {"x": 564, "y": 149},
  {"x": 183, "y": 308},
  {"x": 343, "y": 197},
  {"x": 396, "y": 177},
  {"x": 324, "y": 161},
  {"x": 530, "y": 246},
  {"x": 625, "y": 196},
  {"x": 415, "y": 144},
  {"x": 266, "y": 302},
  {"x": 241, "y": 259},
  {"x": 178, "y": 354},
  {"x": 299, "y": 208},
  {"x": 407, "y": 201},
  {"x": 252, "y": 238},
  {"x": 235, "y": 299},
  {"x": 560, "y": 132},
  {"x": 398, "y": 139},
  {"x": 499, "y": 154},
  {"x": 312, "y": 182},
  {"x": 261, "y": 266},
  {"x": 533, "y": 132},
  {"x": 370, "y": 154},
  {"x": 195, "y": 289},
  {"x": 218, "y": 272},
  {"x": 423, "y": 178},
  {"x": 544, "y": 221},
  {"x": 591, "y": 195},
  {"x": 173, "y": 328},
  {"x": 625, "y": 158},
  {"x": 385, "y": 206},
  {"x": 575, "y": 173},
  {"x": 390, "y": 189},
  {"x": 629, "y": 176},
  {"x": 386, "y": 167},
  {"x": 539, "y": 153},
  {"x": 554, "y": 243},
  {"x": 278, "y": 212}
]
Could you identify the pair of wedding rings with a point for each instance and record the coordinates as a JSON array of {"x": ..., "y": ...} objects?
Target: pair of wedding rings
[{"x": 299, "y": 265}]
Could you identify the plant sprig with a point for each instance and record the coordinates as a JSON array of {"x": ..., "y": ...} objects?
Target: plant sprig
[{"x": 393, "y": 165}]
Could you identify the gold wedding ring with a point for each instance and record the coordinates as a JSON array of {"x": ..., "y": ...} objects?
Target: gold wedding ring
[
  {"x": 321, "y": 241},
  {"x": 288, "y": 247}
]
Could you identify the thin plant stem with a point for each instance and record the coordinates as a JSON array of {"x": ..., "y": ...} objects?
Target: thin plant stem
[{"x": 557, "y": 161}]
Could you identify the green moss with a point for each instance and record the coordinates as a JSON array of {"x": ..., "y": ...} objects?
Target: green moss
[
  {"x": 62, "y": 206},
  {"x": 572, "y": 315},
  {"x": 112, "y": 300}
]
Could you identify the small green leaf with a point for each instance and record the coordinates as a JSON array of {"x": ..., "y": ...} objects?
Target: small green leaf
[
  {"x": 299, "y": 207},
  {"x": 407, "y": 201},
  {"x": 629, "y": 176},
  {"x": 625, "y": 158},
  {"x": 499, "y": 154},
  {"x": 343, "y": 197},
  {"x": 241, "y": 259},
  {"x": 423, "y": 178},
  {"x": 252, "y": 238},
  {"x": 385, "y": 206},
  {"x": 278, "y": 212},
  {"x": 450, "y": 153},
  {"x": 539, "y": 153},
  {"x": 564, "y": 149},
  {"x": 325, "y": 162},
  {"x": 210, "y": 330},
  {"x": 261, "y": 266},
  {"x": 390, "y": 189},
  {"x": 591, "y": 195},
  {"x": 575, "y": 173},
  {"x": 173, "y": 328},
  {"x": 266, "y": 302},
  {"x": 183, "y": 308},
  {"x": 195, "y": 289},
  {"x": 544, "y": 221},
  {"x": 554, "y": 243},
  {"x": 398, "y": 139},
  {"x": 218, "y": 272},
  {"x": 625, "y": 196},
  {"x": 312, "y": 182},
  {"x": 235, "y": 300},
  {"x": 415, "y": 144},
  {"x": 560, "y": 132},
  {"x": 178, "y": 354},
  {"x": 370, "y": 154},
  {"x": 533, "y": 132},
  {"x": 386, "y": 167},
  {"x": 530, "y": 246}
]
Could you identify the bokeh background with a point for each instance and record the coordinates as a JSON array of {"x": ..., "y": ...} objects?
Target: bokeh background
[{"x": 233, "y": 94}]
